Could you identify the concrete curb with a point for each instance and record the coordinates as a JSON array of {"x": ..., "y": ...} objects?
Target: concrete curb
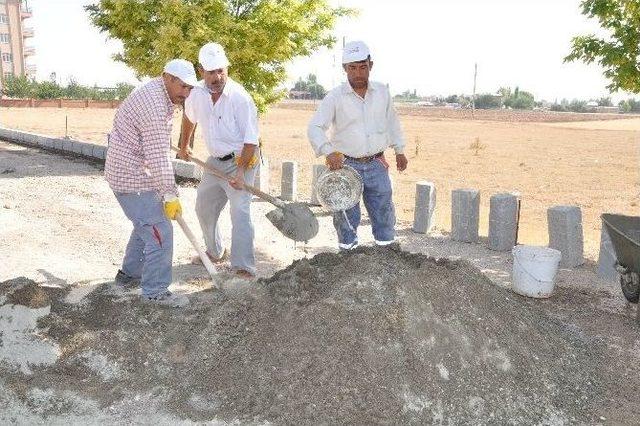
[{"x": 92, "y": 151}]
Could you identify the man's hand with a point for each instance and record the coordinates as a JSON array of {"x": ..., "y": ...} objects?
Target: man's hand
[
  {"x": 401, "y": 162},
  {"x": 237, "y": 182},
  {"x": 172, "y": 208},
  {"x": 184, "y": 153},
  {"x": 335, "y": 160}
]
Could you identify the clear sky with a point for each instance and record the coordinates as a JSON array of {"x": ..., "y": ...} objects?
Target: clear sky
[{"x": 427, "y": 45}]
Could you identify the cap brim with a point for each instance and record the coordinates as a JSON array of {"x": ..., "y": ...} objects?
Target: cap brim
[
  {"x": 214, "y": 65},
  {"x": 191, "y": 81}
]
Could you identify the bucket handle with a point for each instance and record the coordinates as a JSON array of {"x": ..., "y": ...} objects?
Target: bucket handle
[{"x": 515, "y": 258}]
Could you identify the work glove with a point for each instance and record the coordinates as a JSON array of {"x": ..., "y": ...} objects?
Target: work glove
[
  {"x": 172, "y": 208},
  {"x": 250, "y": 165}
]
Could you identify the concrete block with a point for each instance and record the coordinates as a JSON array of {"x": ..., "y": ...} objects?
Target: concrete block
[
  {"x": 503, "y": 221},
  {"x": 565, "y": 234},
  {"x": 465, "y": 215},
  {"x": 29, "y": 138},
  {"x": 47, "y": 143},
  {"x": 289, "y": 181},
  {"x": 425, "y": 208},
  {"x": 99, "y": 152},
  {"x": 262, "y": 176},
  {"x": 5, "y": 133},
  {"x": 198, "y": 172},
  {"x": 58, "y": 144},
  {"x": 76, "y": 147},
  {"x": 318, "y": 169},
  {"x": 67, "y": 145},
  {"x": 87, "y": 149},
  {"x": 185, "y": 169},
  {"x": 607, "y": 258}
]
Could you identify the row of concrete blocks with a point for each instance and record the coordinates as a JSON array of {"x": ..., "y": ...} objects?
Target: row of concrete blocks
[
  {"x": 85, "y": 149},
  {"x": 564, "y": 222}
]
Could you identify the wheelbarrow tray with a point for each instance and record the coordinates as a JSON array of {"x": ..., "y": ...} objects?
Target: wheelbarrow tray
[{"x": 624, "y": 232}]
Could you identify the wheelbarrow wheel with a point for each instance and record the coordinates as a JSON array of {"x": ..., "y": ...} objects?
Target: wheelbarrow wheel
[{"x": 630, "y": 284}]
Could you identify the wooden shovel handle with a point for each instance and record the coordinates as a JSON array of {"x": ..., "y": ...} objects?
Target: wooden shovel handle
[{"x": 252, "y": 189}]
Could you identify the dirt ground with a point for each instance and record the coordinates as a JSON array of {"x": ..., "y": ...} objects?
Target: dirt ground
[
  {"x": 371, "y": 336},
  {"x": 591, "y": 164}
]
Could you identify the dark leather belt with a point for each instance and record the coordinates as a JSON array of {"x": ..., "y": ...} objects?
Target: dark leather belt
[
  {"x": 226, "y": 157},
  {"x": 365, "y": 159}
]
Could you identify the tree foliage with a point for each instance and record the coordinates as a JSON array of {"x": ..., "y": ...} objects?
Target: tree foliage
[
  {"x": 519, "y": 99},
  {"x": 487, "y": 101},
  {"x": 18, "y": 87},
  {"x": 24, "y": 87},
  {"x": 618, "y": 52},
  {"x": 311, "y": 85},
  {"x": 259, "y": 36},
  {"x": 629, "y": 105}
]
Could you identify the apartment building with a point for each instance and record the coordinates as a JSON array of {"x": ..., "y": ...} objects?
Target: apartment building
[{"x": 14, "y": 52}]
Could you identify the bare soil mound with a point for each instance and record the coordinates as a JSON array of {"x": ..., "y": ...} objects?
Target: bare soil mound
[{"x": 376, "y": 335}]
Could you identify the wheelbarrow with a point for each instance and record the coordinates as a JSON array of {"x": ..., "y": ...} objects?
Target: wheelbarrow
[{"x": 624, "y": 232}]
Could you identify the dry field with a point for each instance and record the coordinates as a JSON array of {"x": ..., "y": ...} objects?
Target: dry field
[{"x": 550, "y": 159}]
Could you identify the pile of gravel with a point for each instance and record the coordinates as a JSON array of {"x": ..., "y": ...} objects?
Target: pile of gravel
[{"x": 376, "y": 335}]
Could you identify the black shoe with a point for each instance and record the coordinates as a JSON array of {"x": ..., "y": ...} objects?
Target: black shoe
[{"x": 125, "y": 280}]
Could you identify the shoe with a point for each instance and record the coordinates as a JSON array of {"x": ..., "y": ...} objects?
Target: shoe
[
  {"x": 244, "y": 274},
  {"x": 125, "y": 280},
  {"x": 223, "y": 258},
  {"x": 168, "y": 299}
]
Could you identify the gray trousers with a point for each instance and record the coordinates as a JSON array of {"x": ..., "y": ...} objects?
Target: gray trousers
[{"x": 213, "y": 194}]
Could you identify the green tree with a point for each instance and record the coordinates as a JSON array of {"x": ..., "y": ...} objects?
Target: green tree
[
  {"x": 48, "y": 90},
  {"x": 259, "y": 36},
  {"x": 488, "y": 101},
  {"x": 123, "y": 90},
  {"x": 629, "y": 105},
  {"x": 519, "y": 99},
  {"x": 618, "y": 51},
  {"x": 312, "y": 86},
  {"x": 75, "y": 90},
  {"x": 18, "y": 87}
]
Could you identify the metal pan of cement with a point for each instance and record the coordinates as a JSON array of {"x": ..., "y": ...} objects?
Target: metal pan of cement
[{"x": 339, "y": 190}]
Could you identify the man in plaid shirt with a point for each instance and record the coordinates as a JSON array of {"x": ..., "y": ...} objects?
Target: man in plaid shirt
[{"x": 139, "y": 171}]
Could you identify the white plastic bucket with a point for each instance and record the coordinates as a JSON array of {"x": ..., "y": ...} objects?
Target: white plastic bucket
[{"x": 534, "y": 270}]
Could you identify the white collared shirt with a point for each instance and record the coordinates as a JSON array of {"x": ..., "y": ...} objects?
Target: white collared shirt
[
  {"x": 359, "y": 127},
  {"x": 229, "y": 123}
]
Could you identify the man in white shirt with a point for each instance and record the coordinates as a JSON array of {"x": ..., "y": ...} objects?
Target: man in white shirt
[
  {"x": 363, "y": 123},
  {"x": 228, "y": 118}
]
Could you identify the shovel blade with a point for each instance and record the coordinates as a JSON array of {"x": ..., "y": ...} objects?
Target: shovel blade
[{"x": 295, "y": 221}]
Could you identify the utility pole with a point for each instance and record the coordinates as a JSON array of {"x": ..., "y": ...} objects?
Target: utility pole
[{"x": 473, "y": 98}]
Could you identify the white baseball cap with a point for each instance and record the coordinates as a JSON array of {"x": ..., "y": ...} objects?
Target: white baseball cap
[
  {"x": 183, "y": 70},
  {"x": 212, "y": 57},
  {"x": 355, "y": 51}
]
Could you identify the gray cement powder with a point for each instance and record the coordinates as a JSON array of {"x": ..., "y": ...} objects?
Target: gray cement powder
[{"x": 372, "y": 336}]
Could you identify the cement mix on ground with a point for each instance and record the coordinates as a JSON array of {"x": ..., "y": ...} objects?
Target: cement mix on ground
[
  {"x": 365, "y": 337},
  {"x": 376, "y": 335}
]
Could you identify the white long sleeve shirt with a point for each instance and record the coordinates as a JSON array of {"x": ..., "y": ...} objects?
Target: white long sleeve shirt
[
  {"x": 358, "y": 127},
  {"x": 229, "y": 123}
]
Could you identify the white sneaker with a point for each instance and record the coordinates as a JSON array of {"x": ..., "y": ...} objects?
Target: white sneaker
[{"x": 168, "y": 299}]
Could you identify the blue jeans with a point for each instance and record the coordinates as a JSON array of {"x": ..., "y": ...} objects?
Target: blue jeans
[
  {"x": 377, "y": 197},
  {"x": 149, "y": 252}
]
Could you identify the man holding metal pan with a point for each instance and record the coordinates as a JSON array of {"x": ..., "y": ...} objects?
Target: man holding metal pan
[
  {"x": 139, "y": 171},
  {"x": 363, "y": 123},
  {"x": 228, "y": 118}
]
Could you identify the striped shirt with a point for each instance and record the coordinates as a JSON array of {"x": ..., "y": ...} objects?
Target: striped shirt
[{"x": 138, "y": 155}]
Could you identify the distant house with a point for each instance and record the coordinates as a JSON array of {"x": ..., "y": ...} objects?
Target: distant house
[{"x": 299, "y": 94}]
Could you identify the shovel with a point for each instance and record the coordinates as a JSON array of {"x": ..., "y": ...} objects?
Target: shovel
[{"x": 294, "y": 220}]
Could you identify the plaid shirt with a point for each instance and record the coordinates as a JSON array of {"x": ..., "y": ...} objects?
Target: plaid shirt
[{"x": 139, "y": 143}]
